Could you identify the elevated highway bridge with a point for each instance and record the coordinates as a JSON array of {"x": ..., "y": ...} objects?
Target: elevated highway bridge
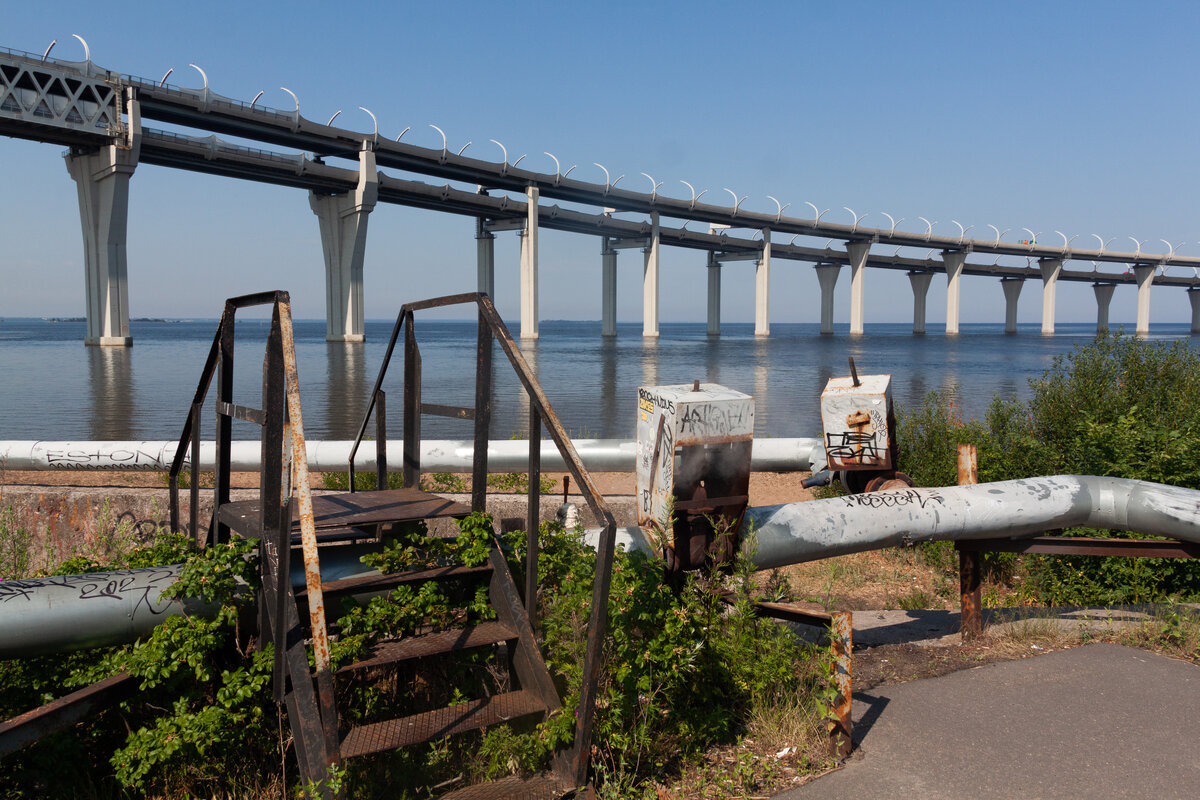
[{"x": 99, "y": 115}]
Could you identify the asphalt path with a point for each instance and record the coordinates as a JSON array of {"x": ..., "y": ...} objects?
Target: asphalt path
[{"x": 1098, "y": 721}]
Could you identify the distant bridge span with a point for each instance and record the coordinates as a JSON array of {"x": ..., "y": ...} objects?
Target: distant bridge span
[{"x": 98, "y": 114}]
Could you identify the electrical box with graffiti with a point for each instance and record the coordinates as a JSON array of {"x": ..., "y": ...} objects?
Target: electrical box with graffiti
[
  {"x": 856, "y": 414},
  {"x": 693, "y": 469}
]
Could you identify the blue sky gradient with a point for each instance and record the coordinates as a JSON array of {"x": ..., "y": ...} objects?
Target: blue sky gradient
[{"x": 1078, "y": 117}]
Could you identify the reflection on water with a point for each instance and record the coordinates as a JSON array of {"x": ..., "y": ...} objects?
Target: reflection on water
[
  {"x": 110, "y": 391},
  {"x": 54, "y": 388},
  {"x": 346, "y": 386}
]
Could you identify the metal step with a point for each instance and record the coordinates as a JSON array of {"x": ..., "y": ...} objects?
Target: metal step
[
  {"x": 537, "y": 787},
  {"x": 405, "y": 731},
  {"x": 432, "y": 644},
  {"x": 348, "y": 510},
  {"x": 64, "y": 712},
  {"x": 378, "y": 583}
]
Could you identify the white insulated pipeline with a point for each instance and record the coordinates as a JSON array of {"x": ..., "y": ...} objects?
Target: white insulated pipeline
[
  {"x": 440, "y": 455},
  {"x": 74, "y": 612},
  {"x": 71, "y": 612},
  {"x": 790, "y": 534}
]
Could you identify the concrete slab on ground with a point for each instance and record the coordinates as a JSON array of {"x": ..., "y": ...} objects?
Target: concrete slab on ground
[{"x": 1099, "y": 721}]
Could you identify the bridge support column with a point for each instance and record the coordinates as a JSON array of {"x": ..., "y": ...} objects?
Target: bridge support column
[
  {"x": 529, "y": 266},
  {"x": 762, "y": 288},
  {"x": 1193, "y": 294},
  {"x": 343, "y": 221},
  {"x": 1145, "y": 276},
  {"x": 858, "y": 252},
  {"x": 953, "y": 261},
  {"x": 920, "y": 286},
  {"x": 1104, "y": 293},
  {"x": 1012, "y": 291},
  {"x": 827, "y": 275},
  {"x": 650, "y": 282},
  {"x": 608, "y": 289},
  {"x": 485, "y": 259},
  {"x": 102, "y": 184},
  {"x": 714, "y": 295},
  {"x": 1050, "y": 267}
]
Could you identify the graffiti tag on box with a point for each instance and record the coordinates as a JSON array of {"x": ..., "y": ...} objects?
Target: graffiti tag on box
[{"x": 713, "y": 420}]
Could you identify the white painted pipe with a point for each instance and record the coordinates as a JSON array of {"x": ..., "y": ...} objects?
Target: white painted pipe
[
  {"x": 73, "y": 612},
  {"x": 796, "y": 532},
  {"x": 444, "y": 455}
]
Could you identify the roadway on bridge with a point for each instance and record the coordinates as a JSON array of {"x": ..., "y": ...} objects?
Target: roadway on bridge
[{"x": 1097, "y": 721}]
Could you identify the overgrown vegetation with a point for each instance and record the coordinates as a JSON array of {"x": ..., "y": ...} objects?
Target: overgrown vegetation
[
  {"x": 683, "y": 671},
  {"x": 1118, "y": 406}
]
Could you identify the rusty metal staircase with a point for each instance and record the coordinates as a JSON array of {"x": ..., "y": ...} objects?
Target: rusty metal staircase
[{"x": 286, "y": 518}]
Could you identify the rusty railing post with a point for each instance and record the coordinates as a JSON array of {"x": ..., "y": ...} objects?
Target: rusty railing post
[
  {"x": 380, "y": 440},
  {"x": 841, "y": 724},
  {"x": 970, "y": 570}
]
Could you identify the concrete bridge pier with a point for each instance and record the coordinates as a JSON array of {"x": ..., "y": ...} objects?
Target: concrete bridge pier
[
  {"x": 485, "y": 258},
  {"x": 1193, "y": 294},
  {"x": 1012, "y": 291},
  {"x": 650, "y": 281},
  {"x": 714, "y": 295},
  {"x": 608, "y": 287},
  {"x": 102, "y": 184},
  {"x": 827, "y": 275},
  {"x": 762, "y": 288},
  {"x": 920, "y": 286},
  {"x": 343, "y": 221},
  {"x": 1050, "y": 267},
  {"x": 953, "y": 260},
  {"x": 529, "y": 266},
  {"x": 858, "y": 252},
  {"x": 1145, "y": 276},
  {"x": 1104, "y": 293}
]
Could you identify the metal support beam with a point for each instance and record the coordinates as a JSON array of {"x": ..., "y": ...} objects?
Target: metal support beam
[
  {"x": 608, "y": 291},
  {"x": 1050, "y": 267},
  {"x": 920, "y": 287},
  {"x": 714, "y": 295},
  {"x": 953, "y": 261},
  {"x": 343, "y": 220},
  {"x": 1104, "y": 293},
  {"x": 485, "y": 259},
  {"x": 650, "y": 282},
  {"x": 762, "y": 288},
  {"x": 827, "y": 275},
  {"x": 858, "y": 252},
  {"x": 102, "y": 183},
  {"x": 1145, "y": 276},
  {"x": 1012, "y": 290},
  {"x": 529, "y": 267}
]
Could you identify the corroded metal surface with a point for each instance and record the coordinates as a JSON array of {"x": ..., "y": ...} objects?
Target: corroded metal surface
[
  {"x": 841, "y": 724},
  {"x": 390, "y": 734}
]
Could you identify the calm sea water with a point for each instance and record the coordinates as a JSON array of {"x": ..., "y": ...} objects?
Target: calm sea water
[{"x": 53, "y": 387}]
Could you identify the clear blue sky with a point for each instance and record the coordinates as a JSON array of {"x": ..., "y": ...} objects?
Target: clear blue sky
[{"x": 1079, "y": 117}]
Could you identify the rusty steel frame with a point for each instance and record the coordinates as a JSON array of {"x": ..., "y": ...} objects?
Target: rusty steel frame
[
  {"x": 283, "y": 475},
  {"x": 571, "y": 765}
]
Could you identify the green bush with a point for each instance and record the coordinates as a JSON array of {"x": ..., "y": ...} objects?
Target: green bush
[{"x": 1117, "y": 406}]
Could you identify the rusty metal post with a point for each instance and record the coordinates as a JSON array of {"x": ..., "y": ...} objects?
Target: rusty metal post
[
  {"x": 841, "y": 723},
  {"x": 381, "y": 440},
  {"x": 308, "y": 536},
  {"x": 533, "y": 512},
  {"x": 483, "y": 413},
  {"x": 412, "y": 407},
  {"x": 970, "y": 563},
  {"x": 219, "y": 534}
]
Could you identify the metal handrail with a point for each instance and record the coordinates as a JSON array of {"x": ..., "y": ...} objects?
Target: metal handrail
[
  {"x": 575, "y": 762},
  {"x": 191, "y": 426}
]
